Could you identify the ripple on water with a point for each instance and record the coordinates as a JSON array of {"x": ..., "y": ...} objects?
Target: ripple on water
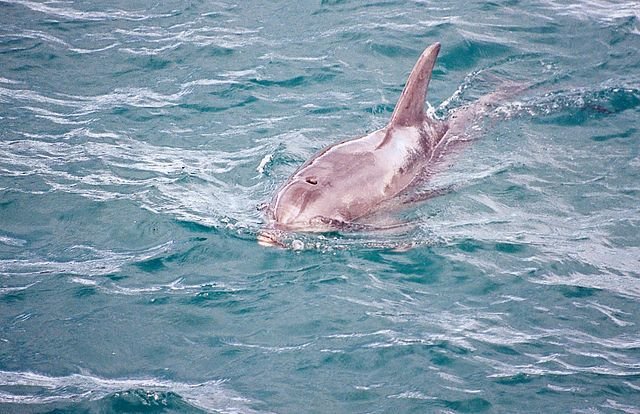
[
  {"x": 129, "y": 394},
  {"x": 74, "y": 14},
  {"x": 112, "y": 262}
]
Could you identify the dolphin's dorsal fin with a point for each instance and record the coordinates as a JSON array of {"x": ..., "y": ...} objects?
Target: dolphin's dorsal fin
[{"x": 410, "y": 107}]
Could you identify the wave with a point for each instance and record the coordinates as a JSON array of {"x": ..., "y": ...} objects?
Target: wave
[
  {"x": 601, "y": 10},
  {"x": 73, "y": 14},
  {"x": 191, "y": 185},
  {"x": 145, "y": 40},
  {"x": 135, "y": 97},
  {"x": 56, "y": 41},
  {"x": 13, "y": 289},
  {"x": 421, "y": 322},
  {"x": 89, "y": 262},
  {"x": 34, "y": 388},
  {"x": 225, "y": 38},
  {"x": 176, "y": 287}
]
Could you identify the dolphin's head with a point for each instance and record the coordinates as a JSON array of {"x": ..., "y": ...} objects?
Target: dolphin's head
[
  {"x": 305, "y": 203},
  {"x": 299, "y": 206},
  {"x": 329, "y": 192}
]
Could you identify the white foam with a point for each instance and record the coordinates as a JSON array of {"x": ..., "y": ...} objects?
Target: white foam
[
  {"x": 208, "y": 395},
  {"x": 103, "y": 262},
  {"x": 601, "y": 10},
  {"x": 6, "y": 290},
  {"x": 74, "y": 14}
]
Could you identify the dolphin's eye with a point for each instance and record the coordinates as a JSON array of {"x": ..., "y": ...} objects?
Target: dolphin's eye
[{"x": 311, "y": 180}]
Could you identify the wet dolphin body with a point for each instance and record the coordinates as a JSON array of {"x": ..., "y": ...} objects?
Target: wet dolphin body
[{"x": 344, "y": 183}]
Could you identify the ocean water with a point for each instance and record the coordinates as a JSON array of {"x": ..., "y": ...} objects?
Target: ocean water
[{"x": 138, "y": 138}]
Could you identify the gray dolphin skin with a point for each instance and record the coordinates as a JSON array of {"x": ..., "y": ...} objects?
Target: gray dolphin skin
[{"x": 345, "y": 183}]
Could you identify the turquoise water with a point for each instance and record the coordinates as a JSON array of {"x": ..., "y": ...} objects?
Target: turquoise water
[{"x": 137, "y": 139}]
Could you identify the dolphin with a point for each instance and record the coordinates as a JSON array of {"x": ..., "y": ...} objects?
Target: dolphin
[{"x": 343, "y": 184}]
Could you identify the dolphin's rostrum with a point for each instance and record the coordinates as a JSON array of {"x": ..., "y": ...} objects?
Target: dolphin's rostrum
[{"x": 346, "y": 182}]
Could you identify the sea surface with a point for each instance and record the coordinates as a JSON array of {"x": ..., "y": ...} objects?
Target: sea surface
[{"x": 137, "y": 140}]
